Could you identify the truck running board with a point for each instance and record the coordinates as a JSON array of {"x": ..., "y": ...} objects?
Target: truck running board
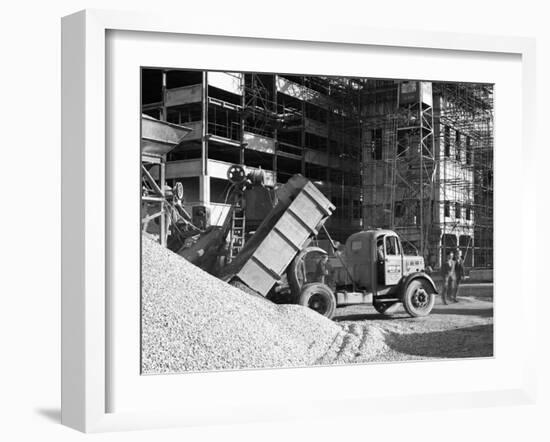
[{"x": 346, "y": 298}]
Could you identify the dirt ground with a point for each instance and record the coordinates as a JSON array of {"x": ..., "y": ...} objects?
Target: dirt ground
[{"x": 460, "y": 330}]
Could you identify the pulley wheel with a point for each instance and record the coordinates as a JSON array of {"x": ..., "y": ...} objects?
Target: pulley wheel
[
  {"x": 178, "y": 191},
  {"x": 236, "y": 174}
]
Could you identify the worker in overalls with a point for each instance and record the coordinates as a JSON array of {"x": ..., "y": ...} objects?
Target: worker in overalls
[
  {"x": 323, "y": 270},
  {"x": 448, "y": 271},
  {"x": 459, "y": 270}
]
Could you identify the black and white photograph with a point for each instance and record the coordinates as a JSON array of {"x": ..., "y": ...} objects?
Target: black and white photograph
[{"x": 300, "y": 220}]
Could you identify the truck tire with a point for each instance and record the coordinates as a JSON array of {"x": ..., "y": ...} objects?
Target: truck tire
[
  {"x": 319, "y": 297},
  {"x": 417, "y": 300}
]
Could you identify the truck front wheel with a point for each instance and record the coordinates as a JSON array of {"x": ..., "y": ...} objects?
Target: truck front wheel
[
  {"x": 417, "y": 300},
  {"x": 319, "y": 297}
]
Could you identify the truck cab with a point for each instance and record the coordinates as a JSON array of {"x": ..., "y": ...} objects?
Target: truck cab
[{"x": 377, "y": 259}]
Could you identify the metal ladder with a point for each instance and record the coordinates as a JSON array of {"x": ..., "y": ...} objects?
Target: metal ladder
[{"x": 238, "y": 228}]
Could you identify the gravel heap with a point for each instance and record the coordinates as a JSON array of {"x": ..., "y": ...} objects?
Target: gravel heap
[{"x": 192, "y": 321}]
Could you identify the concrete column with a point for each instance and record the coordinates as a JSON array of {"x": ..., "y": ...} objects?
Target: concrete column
[
  {"x": 275, "y": 131},
  {"x": 204, "y": 179},
  {"x": 204, "y": 189},
  {"x": 163, "y": 111},
  {"x": 204, "y": 134}
]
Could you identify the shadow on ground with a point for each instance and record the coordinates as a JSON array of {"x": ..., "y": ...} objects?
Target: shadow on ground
[
  {"x": 481, "y": 312},
  {"x": 466, "y": 309},
  {"x": 468, "y": 342},
  {"x": 51, "y": 414},
  {"x": 369, "y": 316}
]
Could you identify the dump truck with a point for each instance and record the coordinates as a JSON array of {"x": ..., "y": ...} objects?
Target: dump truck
[
  {"x": 371, "y": 269},
  {"x": 280, "y": 262}
]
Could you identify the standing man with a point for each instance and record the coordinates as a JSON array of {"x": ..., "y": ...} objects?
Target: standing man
[
  {"x": 449, "y": 277},
  {"x": 323, "y": 270},
  {"x": 459, "y": 270}
]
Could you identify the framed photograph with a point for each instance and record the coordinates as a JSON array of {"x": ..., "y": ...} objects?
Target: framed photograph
[{"x": 251, "y": 217}]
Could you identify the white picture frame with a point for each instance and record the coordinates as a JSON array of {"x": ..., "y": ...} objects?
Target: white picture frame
[{"x": 86, "y": 308}]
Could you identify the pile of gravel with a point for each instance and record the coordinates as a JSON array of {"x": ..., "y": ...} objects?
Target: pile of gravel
[{"x": 192, "y": 321}]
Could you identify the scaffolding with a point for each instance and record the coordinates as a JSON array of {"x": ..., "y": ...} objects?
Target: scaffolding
[
  {"x": 345, "y": 138},
  {"x": 315, "y": 124},
  {"x": 467, "y": 165},
  {"x": 428, "y": 164},
  {"x": 412, "y": 156},
  {"x": 380, "y": 153}
]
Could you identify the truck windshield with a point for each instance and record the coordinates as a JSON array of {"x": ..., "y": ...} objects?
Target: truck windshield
[{"x": 392, "y": 245}]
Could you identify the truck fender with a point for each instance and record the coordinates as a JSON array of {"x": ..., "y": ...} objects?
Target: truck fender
[
  {"x": 292, "y": 271},
  {"x": 417, "y": 275}
]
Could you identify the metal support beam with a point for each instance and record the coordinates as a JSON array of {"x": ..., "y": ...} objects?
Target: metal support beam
[
  {"x": 163, "y": 227},
  {"x": 204, "y": 179}
]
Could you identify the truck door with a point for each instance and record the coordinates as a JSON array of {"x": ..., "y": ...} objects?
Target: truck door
[{"x": 393, "y": 269}]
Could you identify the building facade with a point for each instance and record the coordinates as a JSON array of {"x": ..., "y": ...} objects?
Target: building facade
[{"x": 412, "y": 156}]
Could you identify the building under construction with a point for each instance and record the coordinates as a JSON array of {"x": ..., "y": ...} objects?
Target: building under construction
[{"x": 412, "y": 156}]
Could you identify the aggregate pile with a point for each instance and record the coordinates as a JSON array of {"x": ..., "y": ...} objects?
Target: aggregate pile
[{"x": 192, "y": 321}]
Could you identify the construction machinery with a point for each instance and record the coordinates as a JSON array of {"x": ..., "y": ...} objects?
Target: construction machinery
[
  {"x": 266, "y": 245},
  {"x": 371, "y": 268},
  {"x": 161, "y": 205},
  {"x": 281, "y": 262},
  {"x": 298, "y": 216}
]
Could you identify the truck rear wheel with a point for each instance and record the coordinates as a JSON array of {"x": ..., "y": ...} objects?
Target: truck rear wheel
[
  {"x": 319, "y": 297},
  {"x": 417, "y": 300}
]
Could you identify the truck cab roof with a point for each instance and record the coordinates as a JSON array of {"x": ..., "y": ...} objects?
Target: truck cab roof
[{"x": 375, "y": 233}]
